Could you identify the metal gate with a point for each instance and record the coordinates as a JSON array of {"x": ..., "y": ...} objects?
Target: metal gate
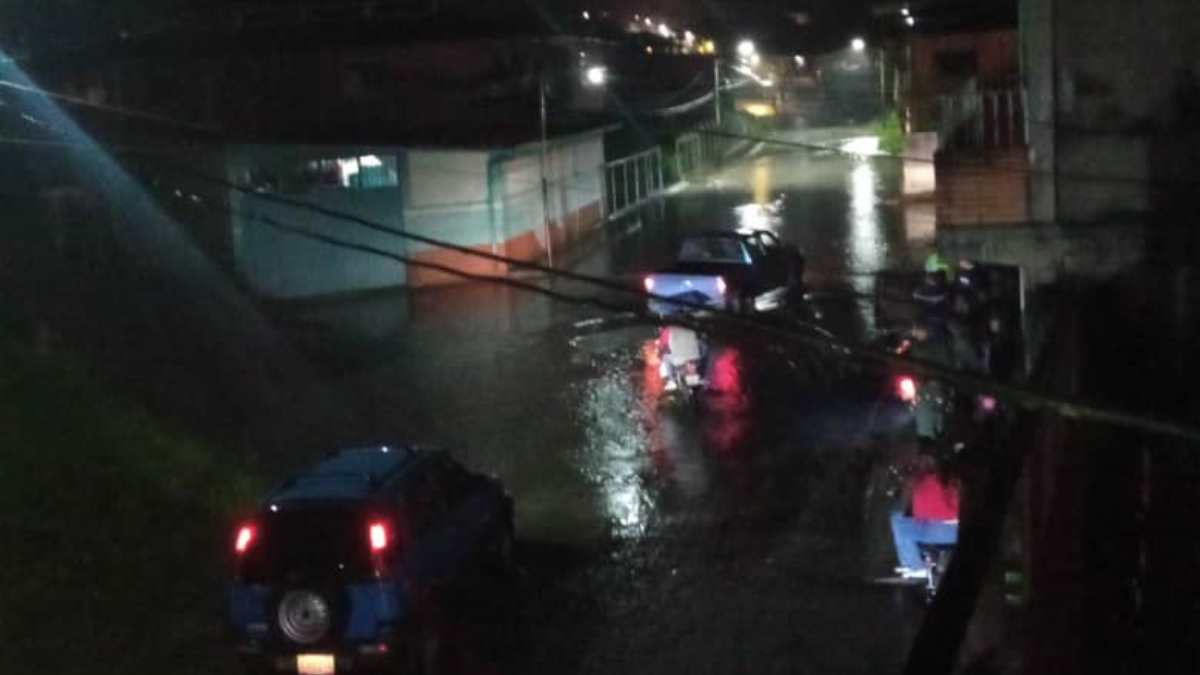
[{"x": 631, "y": 181}]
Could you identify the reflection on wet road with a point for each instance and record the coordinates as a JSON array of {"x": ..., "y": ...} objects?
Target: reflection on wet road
[{"x": 658, "y": 536}]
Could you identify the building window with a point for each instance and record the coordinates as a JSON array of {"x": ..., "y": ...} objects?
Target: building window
[
  {"x": 362, "y": 172},
  {"x": 356, "y": 173}
]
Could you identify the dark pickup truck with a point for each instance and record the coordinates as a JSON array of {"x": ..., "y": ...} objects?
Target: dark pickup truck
[{"x": 741, "y": 271}]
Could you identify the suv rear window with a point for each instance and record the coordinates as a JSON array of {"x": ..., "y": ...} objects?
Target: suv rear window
[{"x": 316, "y": 540}]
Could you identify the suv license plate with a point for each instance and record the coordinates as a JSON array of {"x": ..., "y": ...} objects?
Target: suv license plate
[{"x": 315, "y": 664}]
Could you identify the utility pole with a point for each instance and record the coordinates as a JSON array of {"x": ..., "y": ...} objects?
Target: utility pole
[
  {"x": 717, "y": 88},
  {"x": 545, "y": 184}
]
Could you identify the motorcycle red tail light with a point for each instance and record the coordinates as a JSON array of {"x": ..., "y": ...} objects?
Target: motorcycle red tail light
[{"x": 246, "y": 535}]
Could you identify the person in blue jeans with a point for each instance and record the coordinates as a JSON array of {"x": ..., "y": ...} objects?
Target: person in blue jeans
[{"x": 933, "y": 519}]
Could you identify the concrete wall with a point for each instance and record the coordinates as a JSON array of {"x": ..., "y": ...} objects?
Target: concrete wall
[
  {"x": 279, "y": 264},
  {"x": 1109, "y": 83},
  {"x": 449, "y": 200},
  {"x": 1038, "y": 80},
  {"x": 575, "y": 180},
  {"x": 489, "y": 201},
  {"x": 1046, "y": 251}
]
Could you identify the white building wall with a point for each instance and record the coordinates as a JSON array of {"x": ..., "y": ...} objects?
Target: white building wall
[{"x": 284, "y": 265}]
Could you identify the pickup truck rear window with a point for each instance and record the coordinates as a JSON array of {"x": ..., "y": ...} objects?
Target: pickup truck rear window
[{"x": 713, "y": 249}]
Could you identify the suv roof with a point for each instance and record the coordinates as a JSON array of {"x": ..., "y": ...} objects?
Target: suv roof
[{"x": 353, "y": 473}]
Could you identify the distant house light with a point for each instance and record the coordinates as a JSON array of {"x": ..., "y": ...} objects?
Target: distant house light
[
  {"x": 586, "y": 15},
  {"x": 910, "y": 21}
]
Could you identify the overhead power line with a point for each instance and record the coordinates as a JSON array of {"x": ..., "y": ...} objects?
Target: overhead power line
[{"x": 816, "y": 337}]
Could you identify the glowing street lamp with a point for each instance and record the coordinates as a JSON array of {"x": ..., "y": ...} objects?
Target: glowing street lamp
[
  {"x": 596, "y": 76},
  {"x": 746, "y": 49},
  {"x": 858, "y": 44}
]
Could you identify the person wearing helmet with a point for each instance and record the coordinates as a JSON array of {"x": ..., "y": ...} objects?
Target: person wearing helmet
[{"x": 933, "y": 293}]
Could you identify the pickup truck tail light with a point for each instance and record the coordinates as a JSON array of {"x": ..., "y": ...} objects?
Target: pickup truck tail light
[
  {"x": 906, "y": 389},
  {"x": 648, "y": 282},
  {"x": 721, "y": 287}
]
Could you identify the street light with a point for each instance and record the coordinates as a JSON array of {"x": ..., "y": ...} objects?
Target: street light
[
  {"x": 596, "y": 76},
  {"x": 746, "y": 49},
  {"x": 593, "y": 76},
  {"x": 858, "y": 44},
  {"x": 910, "y": 21}
]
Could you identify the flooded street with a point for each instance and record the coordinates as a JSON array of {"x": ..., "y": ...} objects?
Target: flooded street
[{"x": 656, "y": 537}]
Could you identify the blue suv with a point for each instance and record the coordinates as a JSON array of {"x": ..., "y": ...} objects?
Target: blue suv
[{"x": 333, "y": 571}]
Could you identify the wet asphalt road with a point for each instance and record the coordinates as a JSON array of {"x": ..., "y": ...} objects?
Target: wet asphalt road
[{"x": 656, "y": 538}]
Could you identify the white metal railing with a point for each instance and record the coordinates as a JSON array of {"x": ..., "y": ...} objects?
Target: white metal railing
[
  {"x": 992, "y": 118},
  {"x": 631, "y": 181}
]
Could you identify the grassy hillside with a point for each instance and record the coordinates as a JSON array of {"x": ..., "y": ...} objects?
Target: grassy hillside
[{"x": 114, "y": 529}]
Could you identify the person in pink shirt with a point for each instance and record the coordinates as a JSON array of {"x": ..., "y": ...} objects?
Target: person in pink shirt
[{"x": 933, "y": 519}]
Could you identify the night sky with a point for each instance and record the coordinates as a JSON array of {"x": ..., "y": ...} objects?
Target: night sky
[{"x": 783, "y": 26}]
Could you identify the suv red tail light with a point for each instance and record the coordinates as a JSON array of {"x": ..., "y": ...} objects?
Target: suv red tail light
[
  {"x": 246, "y": 535},
  {"x": 379, "y": 535}
]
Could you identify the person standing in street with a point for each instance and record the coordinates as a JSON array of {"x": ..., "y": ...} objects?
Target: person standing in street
[{"x": 931, "y": 344}]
